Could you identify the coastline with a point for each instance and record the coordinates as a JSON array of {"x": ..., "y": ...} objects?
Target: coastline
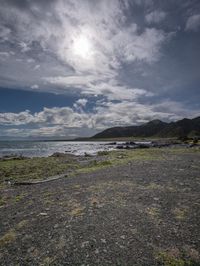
[
  {"x": 47, "y": 148},
  {"x": 16, "y": 168}
]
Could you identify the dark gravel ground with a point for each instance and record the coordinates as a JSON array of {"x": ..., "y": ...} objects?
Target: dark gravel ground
[{"x": 142, "y": 213}]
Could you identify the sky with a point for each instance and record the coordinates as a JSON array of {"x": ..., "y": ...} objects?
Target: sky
[{"x": 72, "y": 68}]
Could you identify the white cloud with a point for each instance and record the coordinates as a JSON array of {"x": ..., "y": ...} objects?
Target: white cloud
[
  {"x": 37, "y": 67},
  {"x": 91, "y": 38},
  {"x": 144, "y": 47},
  {"x": 21, "y": 118},
  {"x": 155, "y": 17},
  {"x": 146, "y": 3},
  {"x": 4, "y": 33},
  {"x": 24, "y": 47},
  {"x": 64, "y": 120},
  {"x": 80, "y": 104},
  {"x": 45, "y": 132},
  {"x": 114, "y": 91},
  {"x": 105, "y": 86},
  {"x": 74, "y": 80},
  {"x": 64, "y": 116},
  {"x": 30, "y": 60},
  {"x": 193, "y": 23},
  {"x": 35, "y": 86},
  {"x": 4, "y": 55}
]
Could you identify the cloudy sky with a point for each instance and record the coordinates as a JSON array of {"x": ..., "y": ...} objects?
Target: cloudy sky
[{"x": 72, "y": 68}]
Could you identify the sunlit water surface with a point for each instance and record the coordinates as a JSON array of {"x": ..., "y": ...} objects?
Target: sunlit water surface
[{"x": 46, "y": 148}]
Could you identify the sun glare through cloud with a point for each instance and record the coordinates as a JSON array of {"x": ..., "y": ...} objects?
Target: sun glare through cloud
[{"x": 82, "y": 47}]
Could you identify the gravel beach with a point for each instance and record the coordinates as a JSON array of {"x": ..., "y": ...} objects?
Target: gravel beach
[{"x": 140, "y": 212}]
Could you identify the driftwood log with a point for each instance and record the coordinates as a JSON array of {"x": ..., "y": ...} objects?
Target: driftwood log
[{"x": 52, "y": 178}]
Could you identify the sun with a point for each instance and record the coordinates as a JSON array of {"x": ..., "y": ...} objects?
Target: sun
[{"x": 82, "y": 47}]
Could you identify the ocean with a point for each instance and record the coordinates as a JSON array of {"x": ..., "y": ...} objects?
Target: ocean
[{"x": 47, "y": 148}]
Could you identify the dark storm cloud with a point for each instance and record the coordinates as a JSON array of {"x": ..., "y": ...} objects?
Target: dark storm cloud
[{"x": 25, "y": 4}]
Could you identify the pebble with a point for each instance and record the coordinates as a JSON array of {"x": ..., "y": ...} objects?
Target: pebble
[
  {"x": 156, "y": 199},
  {"x": 43, "y": 214},
  {"x": 85, "y": 244},
  {"x": 96, "y": 251},
  {"x": 31, "y": 249}
]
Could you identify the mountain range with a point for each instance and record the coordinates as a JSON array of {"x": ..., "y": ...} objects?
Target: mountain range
[{"x": 155, "y": 128}]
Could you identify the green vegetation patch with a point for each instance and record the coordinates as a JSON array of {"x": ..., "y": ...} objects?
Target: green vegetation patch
[
  {"x": 94, "y": 165},
  {"x": 137, "y": 154},
  {"x": 19, "y": 197},
  {"x": 8, "y": 238},
  {"x": 175, "y": 257},
  {"x": 43, "y": 168},
  {"x": 180, "y": 213},
  {"x": 2, "y": 201},
  {"x": 22, "y": 224},
  {"x": 168, "y": 260},
  {"x": 34, "y": 168},
  {"x": 183, "y": 150},
  {"x": 76, "y": 208},
  {"x": 153, "y": 212},
  {"x": 116, "y": 157}
]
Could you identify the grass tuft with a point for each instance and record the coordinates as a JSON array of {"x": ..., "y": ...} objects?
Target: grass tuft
[{"x": 8, "y": 238}]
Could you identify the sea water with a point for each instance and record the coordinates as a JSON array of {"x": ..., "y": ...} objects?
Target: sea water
[{"x": 46, "y": 148}]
